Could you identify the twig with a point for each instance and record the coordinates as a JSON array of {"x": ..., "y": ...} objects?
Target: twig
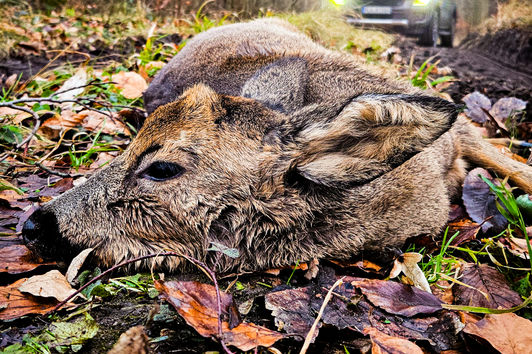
[
  {"x": 310, "y": 333},
  {"x": 194, "y": 261},
  {"x": 496, "y": 123},
  {"x": 57, "y": 173}
]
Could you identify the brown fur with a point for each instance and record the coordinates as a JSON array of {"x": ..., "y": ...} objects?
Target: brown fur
[{"x": 278, "y": 175}]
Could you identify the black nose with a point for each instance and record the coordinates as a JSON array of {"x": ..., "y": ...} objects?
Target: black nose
[{"x": 41, "y": 233}]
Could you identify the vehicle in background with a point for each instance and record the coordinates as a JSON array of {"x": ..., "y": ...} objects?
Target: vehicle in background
[{"x": 427, "y": 20}]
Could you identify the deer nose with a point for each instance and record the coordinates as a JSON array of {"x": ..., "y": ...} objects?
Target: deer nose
[{"x": 41, "y": 233}]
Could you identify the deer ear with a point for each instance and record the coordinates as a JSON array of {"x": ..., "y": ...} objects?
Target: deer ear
[
  {"x": 279, "y": 85},
  {"x": 371, "y": 135}
]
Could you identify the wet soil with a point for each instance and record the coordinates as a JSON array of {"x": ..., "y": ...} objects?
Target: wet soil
[{"x": 496, "y": 64}]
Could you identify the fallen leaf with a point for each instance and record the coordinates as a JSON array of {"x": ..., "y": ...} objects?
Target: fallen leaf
[
  {"x": 475, "y": 102},
  {"x": 16, "y": 259},
  {"x": 490, "y": 282},
  {"x": 133, "y": 341},
  {"x": 407, "y": 263},
  {"x": 479, "y": 201},
  {"x": 443, "y": 290},
  {"x": 71, "y": 88},
  {"x": 295, "y": 309},
  {"x": 196, "y": 303},
  {"x": 14, "y": 304},
  {"x": 292, "y": 311},
  {"x": 67, "y": 120},
  {"x": 52, "y": 284},
  {"x": 96, "y": 121},
  {"x": 132, "y": 85},
  {"x": 504, "y": 107},
  {"x": 383, "y": 343},
  {"x": 467, "y": 231},
  {"x": 398, "y": 298},
  {"x": 70, "y": 333},
  {"x": 76, "y": 264},
  {"x": 507, "y": 333}
]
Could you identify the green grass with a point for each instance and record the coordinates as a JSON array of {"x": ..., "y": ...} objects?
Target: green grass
[{"x": 329, "y": 28}]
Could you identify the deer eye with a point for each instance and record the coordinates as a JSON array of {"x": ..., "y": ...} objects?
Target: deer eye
[{"x": 162, "y": 171}]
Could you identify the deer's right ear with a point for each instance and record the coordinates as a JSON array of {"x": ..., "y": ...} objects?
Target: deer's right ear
[
  {"x": 280, "y": 85},
  {"x": 371, "y": 135}
]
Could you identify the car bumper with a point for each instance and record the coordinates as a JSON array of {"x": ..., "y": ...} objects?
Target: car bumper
[{"x": 379, "y": 22}]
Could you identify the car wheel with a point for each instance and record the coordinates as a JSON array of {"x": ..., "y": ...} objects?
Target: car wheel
[
  {"x": 446, "y": 40},
  {"x": 429, "y": 37}
]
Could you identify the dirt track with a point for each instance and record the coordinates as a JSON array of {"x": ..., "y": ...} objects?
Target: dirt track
[{"x": 498, "y": 65}]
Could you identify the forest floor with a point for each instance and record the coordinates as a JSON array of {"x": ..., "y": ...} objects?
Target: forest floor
[{"x": 480, "y": 263}]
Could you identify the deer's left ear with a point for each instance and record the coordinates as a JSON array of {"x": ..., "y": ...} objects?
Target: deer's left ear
[{"x": 280, "y": 85}]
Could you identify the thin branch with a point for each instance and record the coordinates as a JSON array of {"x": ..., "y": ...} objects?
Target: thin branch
[
  {"x": 310, "y": 333},
  {"x": 57, "y": 173}
]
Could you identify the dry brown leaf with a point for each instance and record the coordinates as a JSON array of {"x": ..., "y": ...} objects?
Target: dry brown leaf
[
  {"x": 507, "y": 333},
  {"x": 467, "y": 231},
  {"x": 52, "y": 284},
  {"x": 17, "y": 115},
  {"x": 196, "y": 303},
  {"x": 76, "y": 264},
  {"x": 132, "y": 85},
  {"x": 407, "y": 263},
  {"x": 17, "y": 259},
  {"x": 96, "y": 121},
  {"x": 14, "y": 304},
  {"x": 383, "y": 343},
  {"x": 67, "y": 120},
  {"x": 485, "y": 279}
]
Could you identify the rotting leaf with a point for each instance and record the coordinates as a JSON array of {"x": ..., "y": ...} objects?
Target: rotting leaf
[
  {"x": 484, "y": 279},
  {"x": 76, "y": 264},
  {"x": 398, "y": 298},
  {"x": 480, "y": 201},
  {"x": 196, "y": 303},
  {"x": 292, "y": 311},
  {"x": 70, "y": 333},
  {"x": 347, "y": 308},
  {"x": 52, "y": 284},
  {"x": 507, "y": 333},
  {"x": 16, "y": 259},
  {"x": 14, "y": 304},
  {"x": 383, "y": 343}
]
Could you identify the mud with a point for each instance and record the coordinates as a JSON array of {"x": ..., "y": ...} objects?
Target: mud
[{"x": 497, "y": 64}]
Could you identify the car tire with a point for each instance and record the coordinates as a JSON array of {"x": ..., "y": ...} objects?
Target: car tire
[
  {"x": 448, "y": 39},
  {"x": 429, "y": 36}
]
